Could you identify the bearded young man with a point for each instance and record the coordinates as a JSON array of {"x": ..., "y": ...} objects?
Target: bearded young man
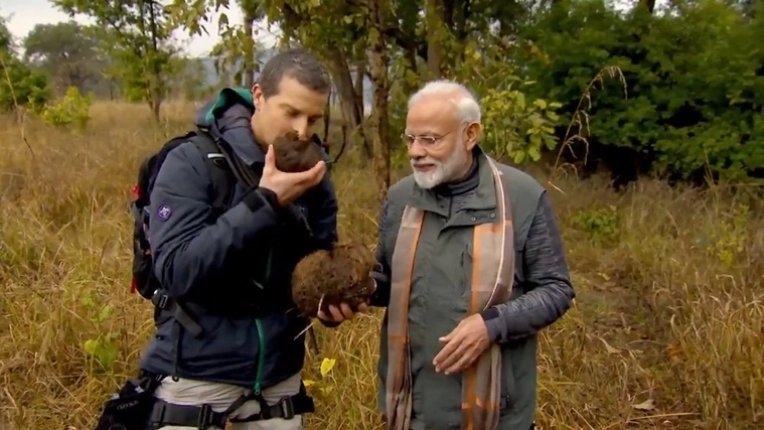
[
  {"x": 235, "y": 267},
  {"x": 470, "y": 268}
]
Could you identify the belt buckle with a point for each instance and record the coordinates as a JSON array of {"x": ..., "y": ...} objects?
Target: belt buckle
[
  {"x": 287, "y": 408},
  {"x": 205, "y": 417}
]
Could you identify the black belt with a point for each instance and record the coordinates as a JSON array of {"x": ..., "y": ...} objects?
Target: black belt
[
  {"x": 203, "y": 417},
  {"x": 285, "y": 408}
]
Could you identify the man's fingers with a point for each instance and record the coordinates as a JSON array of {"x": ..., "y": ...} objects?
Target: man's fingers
[
  {"x": 449, "y": 336},
  {"x": 463, "y": 358},
  {"x": 316, "y": 173},
  {"x": 444, "y": 357},
  {"x": 270, "y": 158},
  {"x": 451, "y": 360},
  {"x": 462, "y": 362},
  {"x": 336, "y": 314},
  {"x": 347, "y": 313}
]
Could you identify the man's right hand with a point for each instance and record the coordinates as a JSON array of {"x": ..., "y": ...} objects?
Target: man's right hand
[{"x": 289, "y": 186}]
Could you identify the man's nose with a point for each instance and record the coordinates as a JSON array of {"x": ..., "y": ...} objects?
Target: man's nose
[
  {"x": 300, "y": 126},
  {"x": 416, "y": 151}
]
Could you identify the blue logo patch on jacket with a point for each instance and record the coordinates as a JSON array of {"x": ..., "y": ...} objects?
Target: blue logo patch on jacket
[{"x": 164, "y": 212}]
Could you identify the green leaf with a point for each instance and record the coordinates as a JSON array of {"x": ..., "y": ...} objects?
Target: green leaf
[
  {"x": 519, "y": 157},
  {"x": 90, "y": 346},
  {"x": 534, "y": 152},
  {"x": 104, "y": 314}
]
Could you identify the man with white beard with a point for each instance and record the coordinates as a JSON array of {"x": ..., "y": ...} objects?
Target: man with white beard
[{"x": 470, "y": 267}]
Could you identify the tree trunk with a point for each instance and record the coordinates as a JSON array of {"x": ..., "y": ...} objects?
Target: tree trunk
[
  {"x": 350, "y": 101},
  {"x": 360, "y": 73},
  {"x": 379, "y": 112},
  {"x": 249, "y": 51},
  {"x": 648, "y": 4},
  {"x": 435, "y": 37},
  {"x": 156, "y": 105}
]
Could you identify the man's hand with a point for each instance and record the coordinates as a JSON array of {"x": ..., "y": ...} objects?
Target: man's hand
[
  {"x": 289, "y": 186},
  {"x": 463, "y": 345},
  {"x": 341, "y": 313},
  {"x": 344, "y": 312}
]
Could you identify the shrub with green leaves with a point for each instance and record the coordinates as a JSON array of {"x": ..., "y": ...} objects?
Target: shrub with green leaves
[
  {"x": 694, "y": 82},
  {"x": 72, "y": 109}
]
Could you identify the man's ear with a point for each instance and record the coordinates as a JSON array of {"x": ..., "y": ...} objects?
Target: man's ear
[
  {"x": 472, "y": 134},
  {"x": 257, "y": 94}
]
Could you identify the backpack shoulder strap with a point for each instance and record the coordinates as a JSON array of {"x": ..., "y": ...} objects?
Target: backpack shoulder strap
[
  {"x": 225, "y": 168},
  {"x": 220, "y": 173}
]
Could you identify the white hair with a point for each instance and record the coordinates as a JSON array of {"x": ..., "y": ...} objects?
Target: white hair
[{"x": 467, "y": 105}]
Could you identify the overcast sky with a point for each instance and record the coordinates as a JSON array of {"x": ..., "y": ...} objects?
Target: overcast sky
[{"x": 22, "y": 15}]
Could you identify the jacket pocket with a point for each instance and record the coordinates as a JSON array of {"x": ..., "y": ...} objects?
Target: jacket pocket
[
  {"x": 508, "y": 385},
  {"x": 465, "y": 272}
]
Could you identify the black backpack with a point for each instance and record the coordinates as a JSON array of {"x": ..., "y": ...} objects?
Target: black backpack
[{"x": 224, "y": 168}]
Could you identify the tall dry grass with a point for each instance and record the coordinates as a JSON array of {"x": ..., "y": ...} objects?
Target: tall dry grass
[{"x": 666, "y": 331}]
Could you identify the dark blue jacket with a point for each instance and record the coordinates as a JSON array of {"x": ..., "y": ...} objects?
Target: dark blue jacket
[{"x": 229, "y": 261}]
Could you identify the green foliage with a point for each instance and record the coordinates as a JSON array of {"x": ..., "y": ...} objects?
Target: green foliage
[
  {"x": 516, "y": 124},
  {"x": 518, "y": 128},
  {"x": 20, "y": 85},
  {"x": 600, "y": 224},
  {"x": 694, "y": 81},
  {"x": 68, "y": 53},
  {"x": 27, "y": 88},
  {"x": 72, "y": 109},
  {"x": 103, "y": 350},
  {"x": 692, "y": 71},
  {"x": 136, "y": 34},
  {"x": 6, "y": 40},
  {"x": 731, "y": 235}
]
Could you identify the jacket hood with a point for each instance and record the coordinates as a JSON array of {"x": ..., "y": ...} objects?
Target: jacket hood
[{"x": 229, "y": 116}]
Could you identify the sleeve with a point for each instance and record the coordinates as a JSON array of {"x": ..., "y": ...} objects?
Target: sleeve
[
  {"x": 381, "y": 272},
  {"x": 188, "y": 249},
  {"x": 325, "y": 229},
  {"x": 550, "y": 291}
]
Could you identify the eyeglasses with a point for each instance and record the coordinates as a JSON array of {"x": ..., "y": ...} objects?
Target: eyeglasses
[{"x": 424, "y": 140}]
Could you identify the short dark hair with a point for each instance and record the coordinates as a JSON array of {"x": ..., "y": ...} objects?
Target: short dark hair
[{"x": 298, "y": 64}]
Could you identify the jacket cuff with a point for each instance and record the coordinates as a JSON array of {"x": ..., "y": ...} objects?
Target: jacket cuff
[
  {"x": 492, "y": 323},
  {"x": 381, "y": 295},
  {"x": 256, "y": 198}
]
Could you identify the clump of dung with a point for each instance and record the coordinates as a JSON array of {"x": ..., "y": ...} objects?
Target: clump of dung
[
  {"x": 326, "y": 278},
  {"x": 296, "y": 155}
]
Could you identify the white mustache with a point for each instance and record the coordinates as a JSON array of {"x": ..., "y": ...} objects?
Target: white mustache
[{"x": 418, "y": 163}]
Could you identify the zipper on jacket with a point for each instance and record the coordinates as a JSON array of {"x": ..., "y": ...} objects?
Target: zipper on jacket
[
  {"x": 261, "y": 333},
  {"x": 261, "y": 358}
]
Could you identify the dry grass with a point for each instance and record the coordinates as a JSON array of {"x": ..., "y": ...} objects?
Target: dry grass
[{"x": 666, "y": 332}]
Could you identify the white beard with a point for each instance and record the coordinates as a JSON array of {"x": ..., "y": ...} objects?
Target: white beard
[{"x": 441, "y": 172}]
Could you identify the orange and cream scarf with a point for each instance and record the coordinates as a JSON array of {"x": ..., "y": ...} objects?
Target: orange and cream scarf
[{"x": 493, "y": 270}]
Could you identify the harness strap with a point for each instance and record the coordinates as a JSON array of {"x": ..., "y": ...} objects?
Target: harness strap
[
  {"x": 165, "y": 302},
  {"x": 286, "y": 408},
  {"x": 186, "y": 313},
  {"x": 203, "y": 417}
]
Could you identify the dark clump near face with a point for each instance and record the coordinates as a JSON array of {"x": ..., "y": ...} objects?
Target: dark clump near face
[
  {"x": 296, "y": 155},
  {"x": 332, "y": 277}
]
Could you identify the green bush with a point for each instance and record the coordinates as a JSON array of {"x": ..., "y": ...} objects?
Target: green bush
[
  {"x": 694, "y": 82},
  {"x": 72, "y": 109},
  {"x": 27, "y": 88}
]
